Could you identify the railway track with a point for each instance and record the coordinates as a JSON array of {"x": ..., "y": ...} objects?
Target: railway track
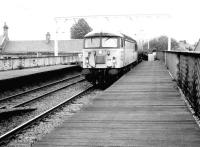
[
  {"x": 5, "y": 100},
  {"x": 36, "y": 98},
  {"x": 4, "y": 137}
]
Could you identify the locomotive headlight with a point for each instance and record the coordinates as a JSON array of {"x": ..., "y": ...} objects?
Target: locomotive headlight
[
  {"x": 108, "y": 53},
  {"x": 100, "y": 52},
  {"x": 114, "y": 60}
]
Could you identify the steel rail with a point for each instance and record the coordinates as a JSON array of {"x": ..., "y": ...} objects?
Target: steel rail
[
  {"x": 19, "y": 128},
  {"x": 47, "y": 93},
  {"x": 31, "y": 90}
]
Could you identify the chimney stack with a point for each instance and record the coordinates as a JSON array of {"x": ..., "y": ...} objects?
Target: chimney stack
[
  {"x": 5, "y": 30},
  {"x": 48, "y": 36}
]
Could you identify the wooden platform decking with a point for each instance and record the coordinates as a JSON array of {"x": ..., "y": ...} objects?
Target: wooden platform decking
[{"x": 143, "y": 108}]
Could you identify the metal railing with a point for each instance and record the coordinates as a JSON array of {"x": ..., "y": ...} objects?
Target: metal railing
[{"x": 185, "y": 68}]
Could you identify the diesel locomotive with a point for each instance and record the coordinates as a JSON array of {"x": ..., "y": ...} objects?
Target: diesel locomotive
[{"x": 106, "y": 55}]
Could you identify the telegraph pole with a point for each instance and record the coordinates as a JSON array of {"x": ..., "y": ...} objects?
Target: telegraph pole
[{"x": 56, "y": 46}]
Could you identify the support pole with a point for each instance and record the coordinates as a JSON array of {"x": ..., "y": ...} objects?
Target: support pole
[
  {"x": 169, "y": 34},
  {"x": 56, "y": 41},
  {"x": 142, "y": 46},
  {"x": 148, "y": 43},
  {"x": 56, "y": 46},
  {"x": 169, "y": 43}
]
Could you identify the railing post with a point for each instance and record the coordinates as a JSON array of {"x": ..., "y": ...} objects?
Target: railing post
[
  {"x": 194, "y": 93},
  {"x": 179, "y": 69}
]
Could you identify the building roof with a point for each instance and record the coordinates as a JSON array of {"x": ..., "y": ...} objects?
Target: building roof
[{"x": 67, "y": 46}]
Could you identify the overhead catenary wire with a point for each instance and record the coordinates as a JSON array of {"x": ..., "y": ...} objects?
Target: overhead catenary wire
[{"x": 108, "y": 18}]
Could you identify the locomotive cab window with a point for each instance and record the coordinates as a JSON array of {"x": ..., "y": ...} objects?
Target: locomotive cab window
[
  {"x": 92, "y": 42},
  {"x": 109, "y": 42}
]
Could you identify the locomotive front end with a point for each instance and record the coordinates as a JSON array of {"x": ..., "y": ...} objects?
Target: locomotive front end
[
  {"x": 101, "y": 57},
  {"x": 106, "y": 56}
]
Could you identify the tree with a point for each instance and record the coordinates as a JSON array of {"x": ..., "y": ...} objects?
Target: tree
[
  {"x": 80, "y": 29},
  {"x": 161, "y": 43}
]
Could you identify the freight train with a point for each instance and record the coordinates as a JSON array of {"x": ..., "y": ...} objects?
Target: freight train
[{"x": 107, "y": 55}]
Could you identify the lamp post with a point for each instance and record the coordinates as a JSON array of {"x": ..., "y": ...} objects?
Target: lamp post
[{"x": 56, "y": 46}]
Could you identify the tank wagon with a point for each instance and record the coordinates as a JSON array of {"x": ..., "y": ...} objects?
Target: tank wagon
[{"x": 107, "y": 55}]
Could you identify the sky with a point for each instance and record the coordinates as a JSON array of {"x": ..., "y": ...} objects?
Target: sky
[{"x": 144, "y": 19}]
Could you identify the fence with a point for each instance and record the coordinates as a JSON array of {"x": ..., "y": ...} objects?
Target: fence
[
  {"x": 29, "y": 62},
  {"x": 185, "y": 68}
]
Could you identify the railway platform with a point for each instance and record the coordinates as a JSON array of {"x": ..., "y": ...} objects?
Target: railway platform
[
  {"x": 13, "y": 74},
  {"x": 143, "y": 108}
]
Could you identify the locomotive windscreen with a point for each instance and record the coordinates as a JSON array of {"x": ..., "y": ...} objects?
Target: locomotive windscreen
[
  {"x": 92, "y": 42},
  {"x": 109, "y": 41},
  {"x": 101, "y": 42}
]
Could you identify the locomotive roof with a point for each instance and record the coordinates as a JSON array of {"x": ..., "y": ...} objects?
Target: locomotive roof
[{"x": 111, "y": 34}]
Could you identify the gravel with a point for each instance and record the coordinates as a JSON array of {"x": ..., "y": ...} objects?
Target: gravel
[
  {"x": 36, "y": 83},
  {"x": 31, "y": 95},
  {"x": 41, "y": 105},
  {"x": 41, "y": 128}
]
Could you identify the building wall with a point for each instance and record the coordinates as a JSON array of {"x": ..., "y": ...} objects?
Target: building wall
[{"x": 21, "y": 63}]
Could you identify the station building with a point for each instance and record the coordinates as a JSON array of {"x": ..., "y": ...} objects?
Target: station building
[{"x": 32, "y": 48}]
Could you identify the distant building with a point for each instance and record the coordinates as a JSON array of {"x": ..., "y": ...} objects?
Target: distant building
[
  {"x": 184, "y": 46},
  {"x": 44, "y": 47}
]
